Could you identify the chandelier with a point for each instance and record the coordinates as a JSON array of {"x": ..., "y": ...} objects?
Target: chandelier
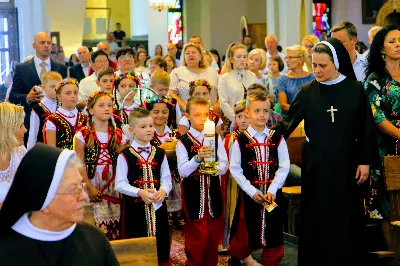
[{"x": 158, "y": 4}]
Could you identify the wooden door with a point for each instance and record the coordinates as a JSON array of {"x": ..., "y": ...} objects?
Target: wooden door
[{"x": 258, "y": 32}]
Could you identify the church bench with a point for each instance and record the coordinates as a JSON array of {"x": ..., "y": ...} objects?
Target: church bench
[
  {"x": 294, "y": 145},
  {"x": 88, "y": 214},
  {"x": 392, "y": 179},
  {"x": 136, "y": 251},
  {"x": 293, "y": 195}
]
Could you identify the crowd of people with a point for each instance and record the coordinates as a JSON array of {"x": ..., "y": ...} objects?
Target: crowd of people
[{"x": 114, "y": 115}]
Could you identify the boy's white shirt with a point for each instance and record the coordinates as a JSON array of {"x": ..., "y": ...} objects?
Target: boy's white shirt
[
  {"x": 236, "y": 170},
  {"x": 186, "y": 167},
  {"x": 121, "y": 180},
  {"x": 35, "y": 121}
]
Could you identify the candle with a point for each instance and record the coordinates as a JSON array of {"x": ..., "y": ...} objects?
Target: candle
[{"x": 209, "y": 139}]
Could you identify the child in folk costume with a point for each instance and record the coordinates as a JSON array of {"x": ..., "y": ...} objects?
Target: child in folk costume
[
  {"x": 165, "y": 138},
  {"x": 44, "y": 108},
  {"x": 125, "y": 89},
  {"x": 200, "y": 89},
  {"x": 260, "y": 164},
  {"x": 201, "y": 193},
  {"x": 98, "y": 145},
  {"x": 105, "y": 79},
  {"x": 160, "y": 81},
  {"x": 228, "y": 183},
  {"x": 61, "y": 126},
  {"x": 144, "y": 179}
]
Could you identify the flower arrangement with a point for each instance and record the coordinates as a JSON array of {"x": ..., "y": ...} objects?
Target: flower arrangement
[
  {"x": 200, "y": 82},
  {"x": 65, "y": 82},
  {"x": 240, "y": 102},
  {"x": 97, "y": 94}
]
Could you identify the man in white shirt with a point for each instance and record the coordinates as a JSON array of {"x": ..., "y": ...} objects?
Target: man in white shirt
[
  {"x": 81, "y": 71},
  {"x": 346, "y": 33},
  {"x": 172, "y": 50},
  {"x": 113, "y": 46},
  {"x": 271, "y": 43},
  {"x": 371, "y": 35},
  {"x": 197, "y": 40},
  {"x": 88, "y": 85}
]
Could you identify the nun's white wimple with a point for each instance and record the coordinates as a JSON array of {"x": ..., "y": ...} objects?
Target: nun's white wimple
[
  {"x": 335, "y": 58},
  {"x": 58, "y": 174}
]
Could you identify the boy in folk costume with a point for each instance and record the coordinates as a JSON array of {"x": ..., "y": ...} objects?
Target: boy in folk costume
[
  {"x": 260, "y": 164},
  {"x": 144, "y": 179},
  {"x": 98, "y": 145},
  {"x": 46, "y": 107},
  {"x": 201, "y": 193},
  {"x": 160, "y": 81},
  {"x": 61, "y": 126}
]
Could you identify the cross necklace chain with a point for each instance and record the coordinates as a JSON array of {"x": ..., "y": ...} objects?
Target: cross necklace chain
[{"x": 332, "y": 110}]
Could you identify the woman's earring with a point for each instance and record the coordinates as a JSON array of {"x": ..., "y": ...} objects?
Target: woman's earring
[{"x": 383, "y": 57}]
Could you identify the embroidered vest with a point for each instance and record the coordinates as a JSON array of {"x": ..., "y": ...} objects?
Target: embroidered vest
[
  {"x": 92, "y": 155},
  {"x": 143, "y": 173},
  {"x": 65, "y": 132},
  {"x": 200, "y": 190},
  {"x": 42, "y": 112},
  {"x": 172, "y": 114}
]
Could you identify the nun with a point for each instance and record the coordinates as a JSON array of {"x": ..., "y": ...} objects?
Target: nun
[
  {"x": 41, "y": 217},
  {"x": 336, "y": 157}
]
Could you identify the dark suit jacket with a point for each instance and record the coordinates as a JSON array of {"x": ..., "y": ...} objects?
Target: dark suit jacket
[
  {"x": 25, "y": 78},
  {"x": 76, "y": 72}
]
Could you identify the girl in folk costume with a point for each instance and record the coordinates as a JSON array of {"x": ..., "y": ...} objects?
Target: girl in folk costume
[
  {"x": 165, "y": 138},
  {"x": 144, "y": 179},
  {"x": 60, "y": 127},
  {"x": 98, "y": 144},
  {"x": 125, "y": 89},
  {"x": 200, "y": 89},
  {"x": 228, "y": 184}
]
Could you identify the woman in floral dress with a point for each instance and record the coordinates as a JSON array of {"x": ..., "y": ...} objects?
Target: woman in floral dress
[{"x": 383, "y": 90}]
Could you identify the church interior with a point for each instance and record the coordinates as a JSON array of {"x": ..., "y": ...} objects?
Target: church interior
[{"x": 155, "y": 27}]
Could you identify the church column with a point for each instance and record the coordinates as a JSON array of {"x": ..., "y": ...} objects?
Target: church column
[
  {"x": 31, "y": 20},
  {"x": 139, "y": 17},
  {"x": 158, "y": 29},
  {"x": 273, "y": 17},
  {"x": 340, "y": 13}
]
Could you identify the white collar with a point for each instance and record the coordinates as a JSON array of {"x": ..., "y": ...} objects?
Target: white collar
[
  {"x": 332, "y": 82},
  {"x": 131, "y": 107},
  {"x": 253, "y": 132},
  {"x": 38, "y": 61},
  {"x": 359, "y": 59},
  {"x": 83, "y": 66},
  {"x": 24, "y": 227},
  {"x": 66, "y": 112},
  {"x": 136, "y": 145},
  {"x": 94, "y": 76},
  {"x": 195, "y": 133},
  {"x": 166, "y": 130},
  {"x": 48, "y": 101}
]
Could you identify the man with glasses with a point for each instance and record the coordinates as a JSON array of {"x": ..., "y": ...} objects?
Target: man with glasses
[
  {"x": 41, "y": 221},
  {"x": 88, "y": 85}
]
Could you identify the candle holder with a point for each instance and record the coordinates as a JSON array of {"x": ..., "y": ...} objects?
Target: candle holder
[{"x": 209, "y": 168}]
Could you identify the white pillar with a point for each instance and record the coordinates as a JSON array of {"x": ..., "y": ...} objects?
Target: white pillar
[
  {"x": 339, "y": 11},
  {"x": 139, "y": 17},
  {"x": 289, "y": 22},
  {"x": 309, "y": 16},
  {"x": 158, "y": 29},
  {"x": 272, "y": 17},
  {"x": 31, "y": 20}
]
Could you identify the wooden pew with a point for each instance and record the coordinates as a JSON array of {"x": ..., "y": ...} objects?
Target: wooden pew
[
  {"x": 392, "y": 178},
  {"x": 294, "y": 145},
  {"x": 136, "y": 251},
  {"x": 88, "y": 214}
]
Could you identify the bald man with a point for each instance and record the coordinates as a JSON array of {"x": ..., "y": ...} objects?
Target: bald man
[
  {"x": 103, "y": 46},
  {"x": 271, "y": 44},
  {"x": 371, "y": 35},
  {"x": 80, "y": 71},
  {"x": 28, "y": 74}
]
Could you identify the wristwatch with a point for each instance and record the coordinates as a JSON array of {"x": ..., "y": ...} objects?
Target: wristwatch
[{"x": 196, "y": 159}]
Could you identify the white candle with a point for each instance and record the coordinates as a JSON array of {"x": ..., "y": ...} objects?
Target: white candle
[{"x": 209, "y": 139}]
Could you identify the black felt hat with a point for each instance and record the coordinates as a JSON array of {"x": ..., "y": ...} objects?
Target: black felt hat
[
  {"x": 35, "y": 183},
  {"x": 341, "y": 57}
]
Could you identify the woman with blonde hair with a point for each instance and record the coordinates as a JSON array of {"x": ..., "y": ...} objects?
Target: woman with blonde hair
[
  {"x": 193, "y": 68},
  {"x": 288, "y": 84},
  {"x": 235, "y": 79},
  {"x": 12, "y": 130},
  {"x": 308, "y": 42},
  {"x": 256, "y": 61}
]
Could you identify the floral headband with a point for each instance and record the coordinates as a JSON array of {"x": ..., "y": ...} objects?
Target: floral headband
[
  {"x": 240, "y": 102},
  {"x": 157, "y": 99},
  {"x": 129, "y": 75},
  {"x": 97, "y": 94},
  {"x": 200, "y": 82},
  {"x": 65, "y": 82}
]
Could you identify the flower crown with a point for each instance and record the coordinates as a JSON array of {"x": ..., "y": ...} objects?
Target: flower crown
[
  {"x": 97, "y": 94},
  {"x": 240, "y": 102},
  {"x": 158, "y": 99},
  {"x": 65, "y": 82},
  {"x": 200, "y": 82},
  {"x": 129, "y": 75}
]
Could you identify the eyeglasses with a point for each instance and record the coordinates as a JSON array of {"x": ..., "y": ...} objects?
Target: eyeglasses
[
  {"x": 77, "y": 192},
  {"x": 309, "y": 46},
  {"x": 291, "y": 57},
  {"x": 126, "y": 56}
]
